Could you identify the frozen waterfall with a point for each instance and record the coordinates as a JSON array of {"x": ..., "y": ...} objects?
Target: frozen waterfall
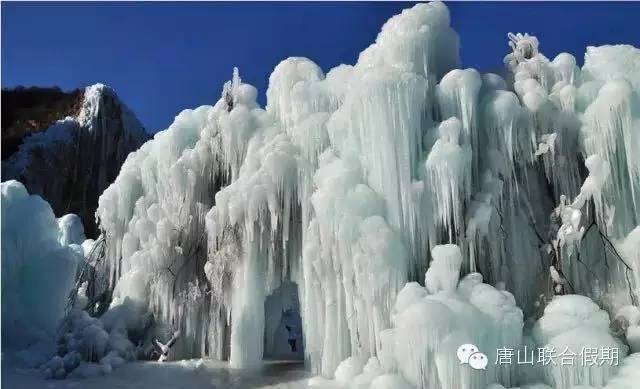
[{"x": 351, "y": 184}]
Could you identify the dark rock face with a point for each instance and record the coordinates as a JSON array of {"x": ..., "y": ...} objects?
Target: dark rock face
[
  {"x": 29, "y": 110},
  {"x": 70, "y": 162}
]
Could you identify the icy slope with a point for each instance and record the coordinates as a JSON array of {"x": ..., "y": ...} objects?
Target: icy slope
[
  {"x": 72, "y": 162},
  {"x": 350, "y": 182}
]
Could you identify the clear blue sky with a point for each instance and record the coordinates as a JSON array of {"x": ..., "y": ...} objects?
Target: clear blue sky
[{"x": 164, "y": 57}]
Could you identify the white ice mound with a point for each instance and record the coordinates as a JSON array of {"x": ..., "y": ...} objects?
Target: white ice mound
[
  {"x": 611, "y": 62},
  {"x": 575, "y": 331},
  {"x": 38, "y": 266},
  {"x": 430, "y": 324},
  {"x": 444, "y": 270},
  {"x": 628, "y": 375},
  {"x": 71, "y": 230}
]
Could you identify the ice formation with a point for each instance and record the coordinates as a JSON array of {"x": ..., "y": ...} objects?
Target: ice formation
[
  {"x": 39, "y": 259},
  {"x": 570, "y": 325},
  {"x": 382, "y": 201},
  {"x": 628, "y": 376},
  {"x": 424, "y": 349},
  {"x": 85, "y": 151}
]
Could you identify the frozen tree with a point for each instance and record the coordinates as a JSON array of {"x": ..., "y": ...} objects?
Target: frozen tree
[
  {"x": 525, "y": 48},
  {"x": 162, "y": 350},
  {"x": 230, "y": 89}
]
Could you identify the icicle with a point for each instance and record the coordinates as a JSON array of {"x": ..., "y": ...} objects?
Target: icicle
[{"x": 447, "y": 171}]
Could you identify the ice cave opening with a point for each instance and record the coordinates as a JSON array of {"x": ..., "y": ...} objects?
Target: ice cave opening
[{"x": 283, "y": 335}]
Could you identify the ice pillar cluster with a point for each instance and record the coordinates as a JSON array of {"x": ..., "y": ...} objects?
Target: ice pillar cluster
[{"x": 352, "y": 184}]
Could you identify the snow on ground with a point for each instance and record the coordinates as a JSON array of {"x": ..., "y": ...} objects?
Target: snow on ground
[{"x": 188, "y": 374}]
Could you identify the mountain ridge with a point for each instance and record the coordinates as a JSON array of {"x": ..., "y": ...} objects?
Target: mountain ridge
[{"x": 88, "y": 136}]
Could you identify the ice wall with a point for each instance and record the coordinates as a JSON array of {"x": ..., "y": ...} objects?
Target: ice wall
[
  {"x": 153, "y": 217},
  {"x": 354, "y": 182}
]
